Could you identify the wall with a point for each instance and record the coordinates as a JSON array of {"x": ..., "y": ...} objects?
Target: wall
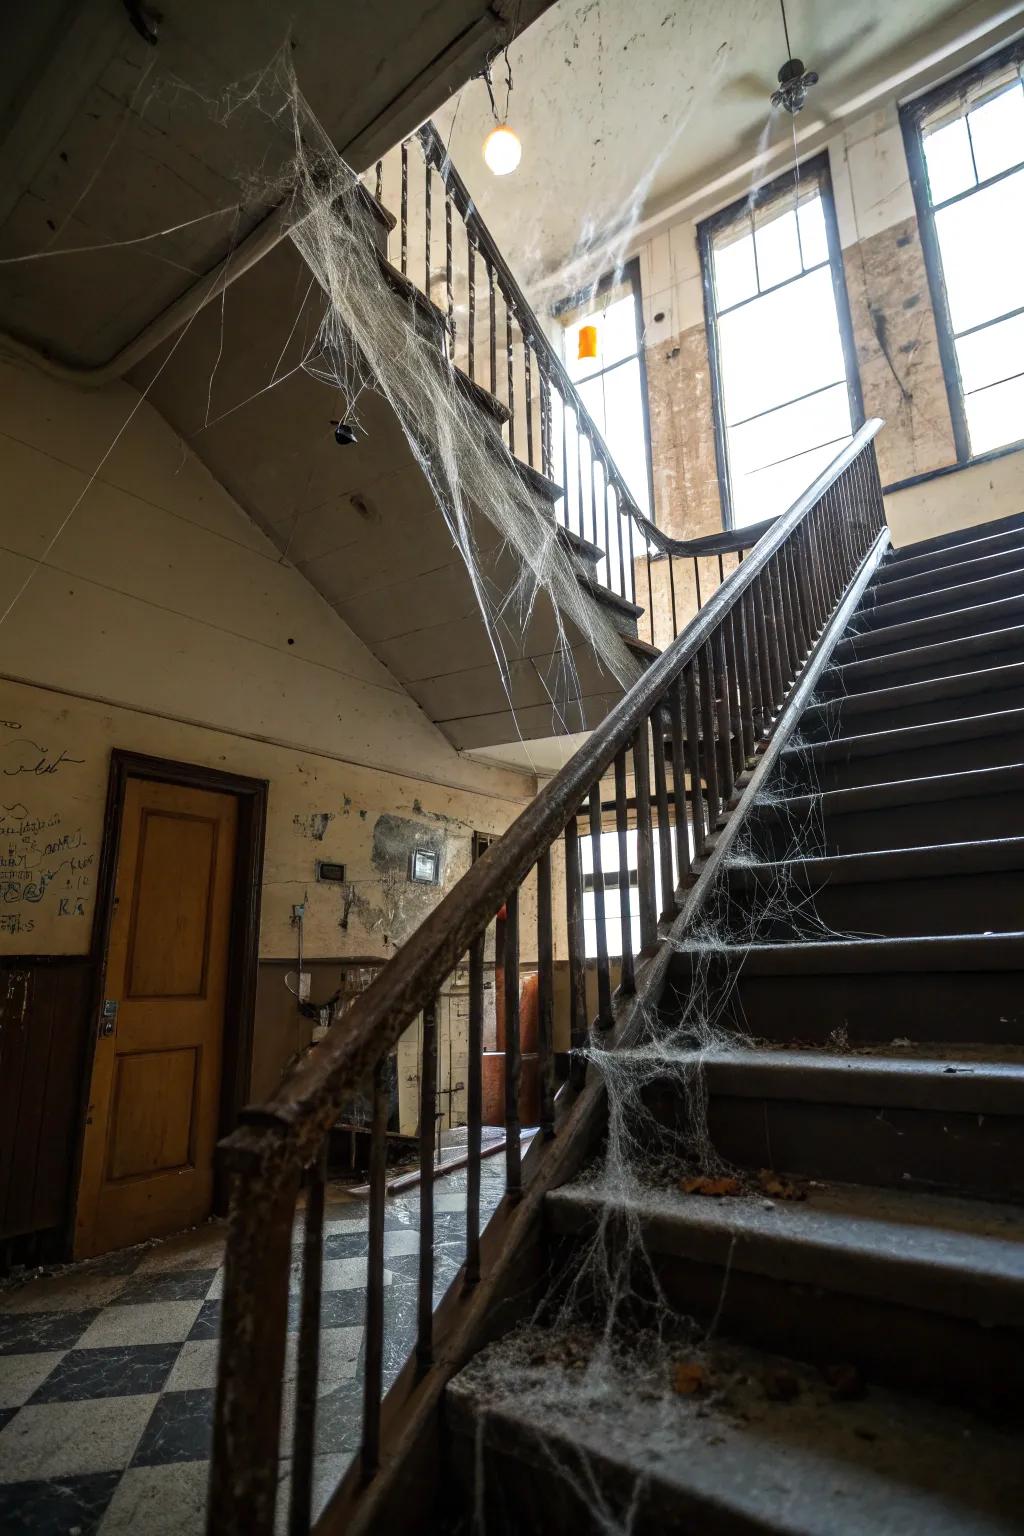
[
  {"x": 161, "y": 621},
  {"x": 894, "y": 336}
]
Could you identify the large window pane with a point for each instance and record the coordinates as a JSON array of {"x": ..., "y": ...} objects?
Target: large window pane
[
  {"x": 996, "y": 416},
  {"x": 735, "y": 271},
  {"x": 980, "y": 242},
  {"x": 773, "y": 490},
  {"x": 997, "y": 132},
  {"x": 778, "y": 250},
  {"x": 813, "y": 237},
  {"x": 947, "y": 154},
  {"x": 986, "y": 357},
  {"x": 615, "y": 401},
  {"x": 792, "y": 429},
  {"x": 784, "y": 345}
]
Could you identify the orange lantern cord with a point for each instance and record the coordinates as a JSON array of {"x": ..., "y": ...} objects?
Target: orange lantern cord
[{"x": 587, "y": 342}]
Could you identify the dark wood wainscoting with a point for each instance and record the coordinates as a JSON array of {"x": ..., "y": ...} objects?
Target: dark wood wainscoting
[{"x": 45, "y": 1007}]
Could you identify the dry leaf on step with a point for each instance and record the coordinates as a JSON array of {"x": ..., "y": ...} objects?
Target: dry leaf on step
[
  {"x": 779, "y": 1188},
  {"x": 690, "y": 1378},
  {"x": 703, "y": 1184}
]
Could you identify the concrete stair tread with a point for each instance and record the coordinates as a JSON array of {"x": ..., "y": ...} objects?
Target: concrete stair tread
[
  {"x": 938, "y": 1253},
  {"x": 984, "y": 1080},
  {"x": 858, "y": 956},
  {"x": 889, "y": 583},
  {"x": 731, "y": 1462},
  {"x": 934, "y": 598},
  {"x": 900, "y": 738},
  {"x": 888, "y": 792},
  {"x": 850, "y": 673},
  {"x": 901, "y": 695},
  {"x": 934, "y": 859},
  {"x": 924, "y": 549},
  {"x": 921, "y": 627}
]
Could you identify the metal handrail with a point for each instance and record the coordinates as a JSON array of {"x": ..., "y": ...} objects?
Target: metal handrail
[{"x": 698, "y": 715}]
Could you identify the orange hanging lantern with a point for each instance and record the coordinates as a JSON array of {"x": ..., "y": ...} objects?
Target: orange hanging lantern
[{"x": 587, "y": 343}]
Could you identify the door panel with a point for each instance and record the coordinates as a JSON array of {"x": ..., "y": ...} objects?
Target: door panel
[{"x": 154, "y": 1103}]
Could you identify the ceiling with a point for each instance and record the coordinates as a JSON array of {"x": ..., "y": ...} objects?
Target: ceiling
[
  {"x": 627, "y": 107},
  {"x": 106, "y": 138}
]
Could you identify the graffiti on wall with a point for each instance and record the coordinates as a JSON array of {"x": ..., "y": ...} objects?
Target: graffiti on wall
[{"x": 46, "y": 863}]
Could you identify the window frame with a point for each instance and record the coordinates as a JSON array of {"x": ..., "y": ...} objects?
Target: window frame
[
  {"x": 818, "y": 167},
  {"x": 912, "y": 114},
  {"x": 569, "y": 308}
]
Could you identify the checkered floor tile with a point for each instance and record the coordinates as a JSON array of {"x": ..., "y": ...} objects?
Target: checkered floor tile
[{"x": 107, "y": 1369}]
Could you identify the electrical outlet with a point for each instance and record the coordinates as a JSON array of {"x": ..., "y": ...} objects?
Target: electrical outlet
[{"x": 305, "y": 985}]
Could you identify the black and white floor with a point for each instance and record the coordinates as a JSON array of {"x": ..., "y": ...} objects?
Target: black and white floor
[{"x": 107, "y": 1369}]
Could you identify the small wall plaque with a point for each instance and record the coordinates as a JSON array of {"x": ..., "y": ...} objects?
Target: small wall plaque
[
  {"x": 423, "y": 866},
  {"x": 332, "y": 873}
]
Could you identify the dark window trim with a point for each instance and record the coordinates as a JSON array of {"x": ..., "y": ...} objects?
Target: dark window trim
[
  {"x": 911, "y": 115},
  {"x": 629, "y": 273},
  {"x": 817, "y": 166}
]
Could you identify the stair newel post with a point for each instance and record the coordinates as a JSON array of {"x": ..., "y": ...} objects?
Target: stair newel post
[
  {"x": 474, "y": 1107},
  {"x": 693, "y": 757},
  {"x": 722, "y": 713},
  {"x": 739, "y": 755},
  {"x": 709, "y": 749},
  {"x": 741, "y": 642},
  {"x": 545, "y": 996},
  {"x": 373, "y": 1349},
  {"x": 513, "y": 1051},
  {"x": 644, "y": 841},
  {"x": 675, "y": 710},
  {"x": 604, "y": 989},
  {"x": 404, "y": 216},
  {"x": 428, "y": 1147},
  {"x": 471, "y": 302},
  {"x": 254, "y": 1321},
  {"x": 627, "y": 979},
  {"x": 577, "y": 953},
  {"x": 527, "y": 393},
  {"x": 659, "y": 721},
  {"x": 511, "y": 372},
  {"x": 492, "y": 311},
  {"x": 300, "y": 1507}
]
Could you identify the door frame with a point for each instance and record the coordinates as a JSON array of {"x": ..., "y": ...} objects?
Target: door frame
[{"x": 243, "y": 951}]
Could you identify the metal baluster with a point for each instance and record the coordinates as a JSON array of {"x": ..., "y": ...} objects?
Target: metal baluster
[
  {"x": 510, "y": 359},
  {"x": 767, "y": 660},
  {"x": 620, "y": 540},
  {"x": 693, "y": 757},
  {"x": 513, "y": 1055},
  {"x": 753, "y": 666},
  {"x": 668, "y": 892},
  {"x": 427, "y": 193},
  {"x": 545, "y": 996},
  {"x": 721, "y": 571},
  {"x": 731, "y": 690},
  {"x": 775, "y": 653},
  {"x": 428, "y": 1134},
  {"x": 593, "y": 490},
  {"x": 308, "y": 1352},
  {"x": 405, "y": 208},
  {"x": 373, "y": 1348},
  {"x": 492, "y": 305},
  {"x": 527, "y": 394},
  {"x": 579, "y": 473},
  {"x": 471, "y": 303},
  {"x": 741, "y": 642},
  {"x": 604, "y": 988},
  {"x": 696, "y": 582},
  {"x": 672, "y": 591},
  {"x": 675, "y": 708},
  {"x": 722, "y": 713},
  {"x": 627, "y": 979},
  {"x": 449, "y": 287},
  {"x": 783, "y": 628},
  {"x": 565, "y": 464},
  {"x": 709, "y": 751},
  {"x": 474, "y": 1107},
  {"x": 607, "y": 526},
  {"x": 644, "y": 841},
  {"x": 631, "y": 594},
  {"x": 650, "y": 588},
  {"x": 796, "y": 602},
  {"x": 577, "y": 952}
]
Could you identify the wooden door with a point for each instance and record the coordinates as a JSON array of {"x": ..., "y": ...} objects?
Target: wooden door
[{"x": 154, "y": 1101}]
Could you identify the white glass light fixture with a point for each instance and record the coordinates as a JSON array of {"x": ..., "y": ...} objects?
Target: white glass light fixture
[{"x": 502, "y": 150}]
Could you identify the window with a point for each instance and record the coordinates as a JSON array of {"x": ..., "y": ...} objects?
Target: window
[
  {"x": 965, "y": 146},
  {"x": 606, "y": 363},
  {"x": 612, "y": 900},
  {"x": 783, "y": 370}
]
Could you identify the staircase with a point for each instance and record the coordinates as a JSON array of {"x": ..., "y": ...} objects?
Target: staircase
[{"x": 859, "y": 1345}]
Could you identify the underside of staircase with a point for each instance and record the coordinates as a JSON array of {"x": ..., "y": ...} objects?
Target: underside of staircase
[{"x": 834, "y": 1342}]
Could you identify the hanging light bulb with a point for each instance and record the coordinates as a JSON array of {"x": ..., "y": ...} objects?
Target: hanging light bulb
[{"x": 502, "y": 150}]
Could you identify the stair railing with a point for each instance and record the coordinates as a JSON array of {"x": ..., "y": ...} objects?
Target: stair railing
[
  {"x": 496, "y": 336},
  {"x": 682, "y": 737}
]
